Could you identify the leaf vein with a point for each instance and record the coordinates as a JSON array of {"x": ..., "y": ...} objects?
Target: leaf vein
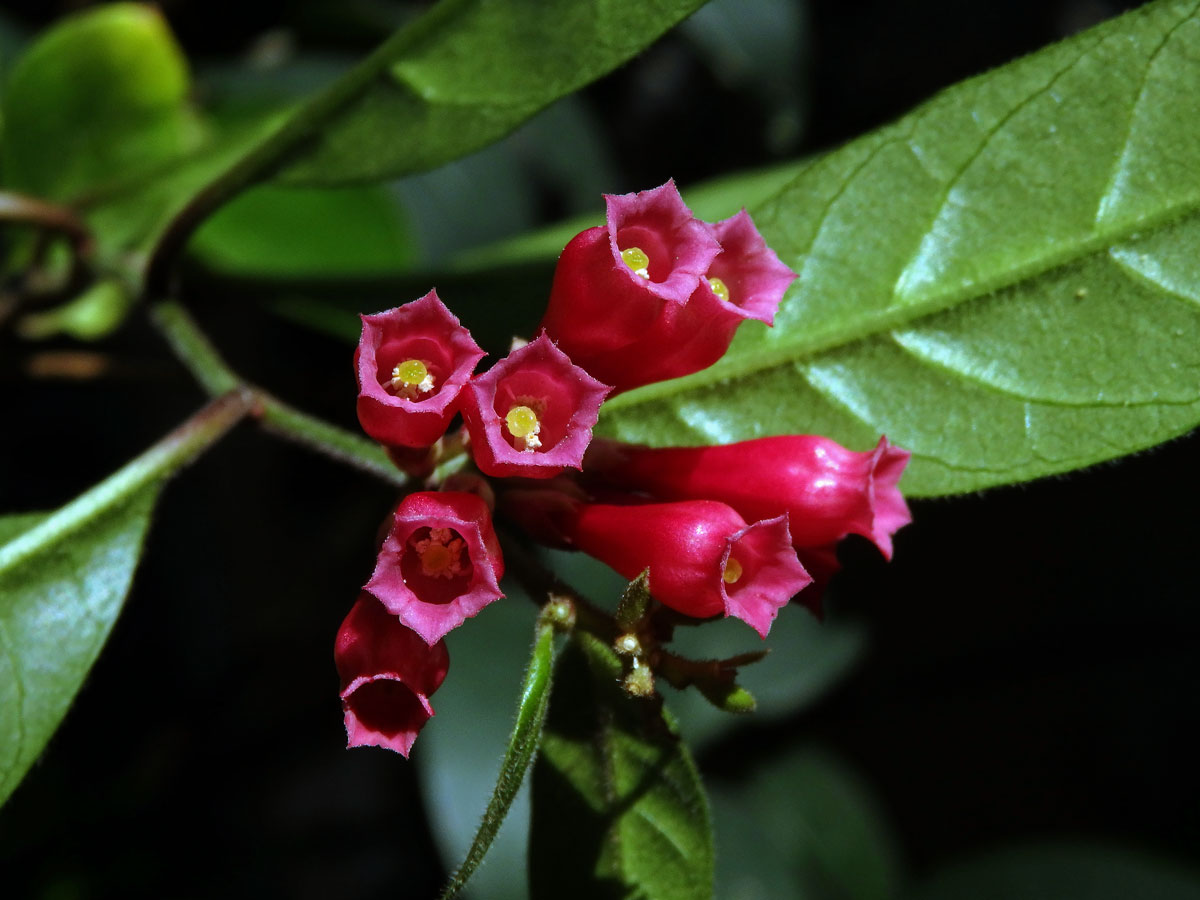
[
  {"x": 988, "y": 135},
  {"x": 1110, "y": 191},
  {"x": 984, "y": 384}
]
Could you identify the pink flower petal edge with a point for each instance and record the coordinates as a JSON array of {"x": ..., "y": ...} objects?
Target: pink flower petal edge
[
  {"x": 440, "y": 563},
  {"x": 426, "y": 331},
  {"x": 564, "y": 398},
  {"x": 771, "y": 573}
]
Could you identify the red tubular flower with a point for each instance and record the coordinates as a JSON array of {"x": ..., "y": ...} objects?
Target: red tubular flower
[
  {"x": 747, "y": 281},
  {"x": 827, "y": 491},
  {"x": 531, "y": 414},
  {"x": 411, "y": 363},
  {"x": 613, "y": 281},
  {"x": 387, "y": 674},
  {"x": 440, "y": 563},
  {"x": 703, "y": 557}
]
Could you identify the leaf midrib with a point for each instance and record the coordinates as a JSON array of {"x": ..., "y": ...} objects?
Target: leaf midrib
[{"x": 763, "y": 358}]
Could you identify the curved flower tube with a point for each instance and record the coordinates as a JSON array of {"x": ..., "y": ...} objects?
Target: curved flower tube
[
  {"x": 702, "y": 556},
  {"x": 827, "y": 491},
  {"x": 746, "y": 281}
]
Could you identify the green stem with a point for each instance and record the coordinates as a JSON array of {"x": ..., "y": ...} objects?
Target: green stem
[
  {"x": 201, "y": 358},
  {"x": 273, "y": 153},
  {"x": 518, "y": 757},
  {"x": 194, "y": 349},
  {"x": 336, "y": 443},
  {"x": 166, "y": 457}
]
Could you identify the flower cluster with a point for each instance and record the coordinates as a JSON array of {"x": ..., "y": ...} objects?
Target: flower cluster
[{"x": 735, "y": 530}]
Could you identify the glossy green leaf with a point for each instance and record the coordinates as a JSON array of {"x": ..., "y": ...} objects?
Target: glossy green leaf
[
  {"x": 99, "y": 99},
  {"x": 307, "y": 232},
  {"x": 618, "y": 808},
  {"x": 1004, "y": 282},
  {"x": 1063, "y": 872},
  {"x": 801, "y": 825},
  {"x": 518, "y": 755},
  {"x": 60, "y": 592},
  {"x": 63, "y": 579},
  {"x": 467, "y": 73}
]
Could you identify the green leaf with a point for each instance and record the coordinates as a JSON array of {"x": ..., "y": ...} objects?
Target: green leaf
[
  {"x": 522, "y": 745},
  {"x": 803, "y": 826},
  {"x": 98, "y": 99},
  {"x": 460, "y": 77},
  {"x": 1004, "y": 282},
  {"x": 618, "y": 808},
  {"x": 61, "y": 591},
  {"x": 63, "y": 579},
  {"x": 464, "y": 75},
  {"x": 307, "y": 232},
  {"x": 1063, "y": 872}
]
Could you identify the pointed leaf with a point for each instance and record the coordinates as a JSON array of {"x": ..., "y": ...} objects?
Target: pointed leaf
[
  {"x": 618, "y": 808},
  {"x": 63, "y": 579},
  {"x": 61, "y": 588},
  {"x": 522, "y": 745},
  {"x": 1003, "y": 282}
]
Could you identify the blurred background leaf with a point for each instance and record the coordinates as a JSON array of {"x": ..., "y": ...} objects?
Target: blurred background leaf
[
  {"x": 1062, "y": 870},
  {"x": 458, "y": 755},
  {"x": 802, "y": 825},
  {"x": 96, "y": 102}
]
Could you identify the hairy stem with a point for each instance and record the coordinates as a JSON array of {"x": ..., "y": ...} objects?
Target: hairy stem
[{"x": 201, "y": 358}]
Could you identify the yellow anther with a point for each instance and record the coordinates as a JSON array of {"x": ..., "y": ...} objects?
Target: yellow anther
[
  {"x": 411, "y": 371},
  {"x": 411, "y": 380},
  {"x": 522, "y": 422},
  {"x": 719, "y": 288},
  {"x": 636, "y": 259},
  {"x": 733, "y": 571}
]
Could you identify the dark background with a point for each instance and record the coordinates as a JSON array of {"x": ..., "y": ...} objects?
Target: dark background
[{"x": 1032, "y": 669}]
